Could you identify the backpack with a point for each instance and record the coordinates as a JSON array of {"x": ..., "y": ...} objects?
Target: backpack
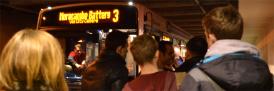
[{"x": 199, "y": 76}]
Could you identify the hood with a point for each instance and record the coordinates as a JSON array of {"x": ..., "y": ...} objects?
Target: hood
[
  {"x": 222, "y": 47},
  {"x": 243, "y": 70}
]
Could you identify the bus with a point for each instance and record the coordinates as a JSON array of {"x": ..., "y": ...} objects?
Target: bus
[{"x": 87, "y": 24}]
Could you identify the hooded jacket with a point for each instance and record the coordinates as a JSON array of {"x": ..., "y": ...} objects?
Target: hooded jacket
[{"x": 235, "y": 66}]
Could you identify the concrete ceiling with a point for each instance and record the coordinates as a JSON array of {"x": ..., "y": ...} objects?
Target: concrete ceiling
[{"x": 186, "y": 14}]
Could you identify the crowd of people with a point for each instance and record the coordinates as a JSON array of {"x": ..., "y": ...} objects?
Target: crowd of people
[{"x": 33, "y": 60}]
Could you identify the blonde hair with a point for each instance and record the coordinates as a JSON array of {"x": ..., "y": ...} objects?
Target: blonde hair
[{"x": 31, "y": 56}]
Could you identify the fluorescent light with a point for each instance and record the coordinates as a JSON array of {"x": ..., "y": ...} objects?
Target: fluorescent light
[
  {"x": 49, "y": 7},
  {"x": 130, "y": 3}
]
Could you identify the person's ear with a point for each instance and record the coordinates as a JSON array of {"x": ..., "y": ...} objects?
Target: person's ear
[
  {"x": 119, "y": 49},
  {"x": 122, "y": 51},
  {"x": 156, "y": 57},
  {"x": 188, "y": 54},
  {"x": 211, "y": 38}
]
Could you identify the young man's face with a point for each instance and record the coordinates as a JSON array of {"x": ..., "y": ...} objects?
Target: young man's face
[{"x": 77, "y": 48}]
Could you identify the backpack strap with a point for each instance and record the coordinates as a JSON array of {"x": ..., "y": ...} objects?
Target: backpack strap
[{"x": 200, "y": 76}]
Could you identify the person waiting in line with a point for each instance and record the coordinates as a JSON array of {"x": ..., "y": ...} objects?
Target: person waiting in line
[
  {"x": 166, "y": 59},
  {"x": 231, "y": 64},
  {"x": 145, "y": 53},
  {"x": 32, "y": 60},
  {"x": 196, "y": 48},
  {"x": 108, "y": 72}
]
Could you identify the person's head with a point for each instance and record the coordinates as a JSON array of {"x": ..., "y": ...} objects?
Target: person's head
[
  {"x": 32, "y": 57},
  {"x": 166, "y": 55},
  {"x": 77, "y": 47},
  {"x": 143, "y": 49},
  {"x": 222, "y": 23},
  {"x": 117, "y": 41},
  {"x": 196, "y": 46}
]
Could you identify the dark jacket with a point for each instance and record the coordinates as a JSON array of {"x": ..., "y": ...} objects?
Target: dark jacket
[
  {"x": 234, "y": 66},
  {"x": 189, "y": 64},
  {"x": 107, "y": 73}
]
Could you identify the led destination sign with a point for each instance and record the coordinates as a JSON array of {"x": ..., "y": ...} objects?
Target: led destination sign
[{"x": 91, "y": 16}]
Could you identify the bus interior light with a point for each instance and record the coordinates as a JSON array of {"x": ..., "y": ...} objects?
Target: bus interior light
[
  {"x": 44, "y": 18},
  {"x": 100, "y": 31},
  {"x": 80, "y": 41},
  {"x": 88, "y": 32}
]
